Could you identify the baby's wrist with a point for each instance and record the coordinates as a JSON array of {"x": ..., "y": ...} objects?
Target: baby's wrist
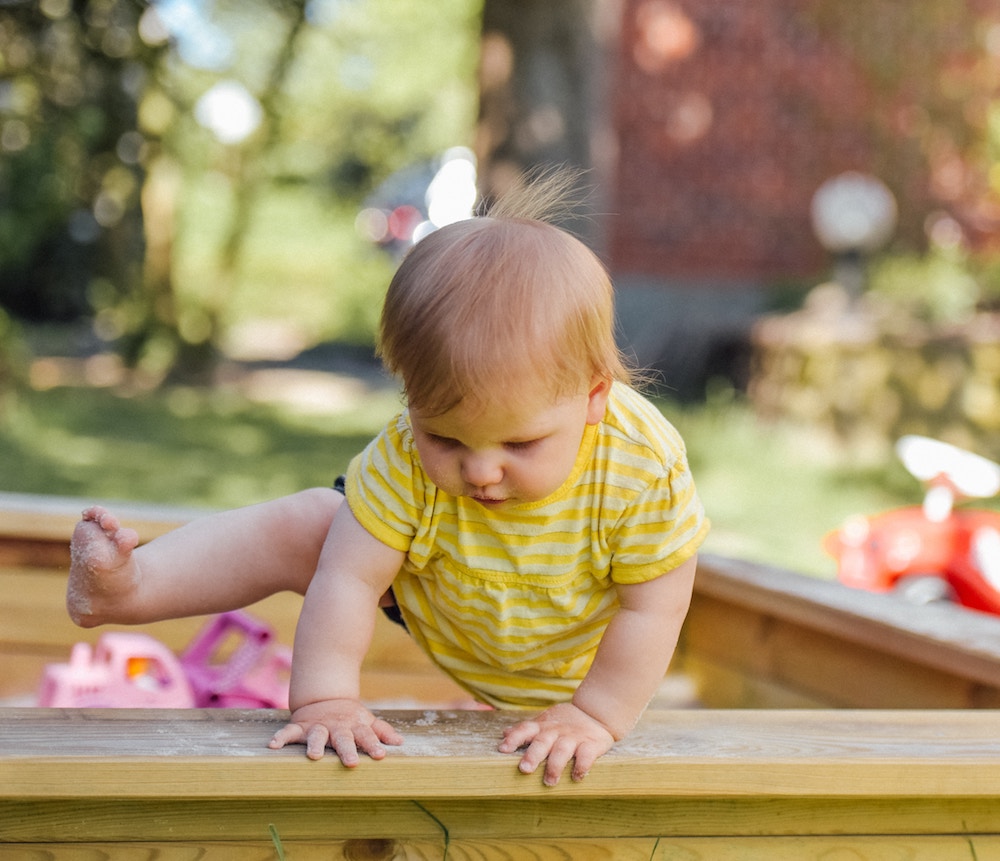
[
  {"x": 311, "y": 698},
  {"x": 615, "y": 722}
]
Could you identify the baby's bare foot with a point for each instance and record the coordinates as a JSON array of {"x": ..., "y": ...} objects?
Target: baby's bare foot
[{"x": 102, "y": 571}]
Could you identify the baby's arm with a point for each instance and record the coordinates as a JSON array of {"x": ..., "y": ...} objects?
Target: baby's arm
[
  {"x": 334, "y": 632},
  {"x": 627, "y": 670}
]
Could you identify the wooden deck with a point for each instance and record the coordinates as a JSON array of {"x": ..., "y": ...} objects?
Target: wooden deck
[
  {"x": 835, "y": 725},
  {"x": 692, "y": 784}
]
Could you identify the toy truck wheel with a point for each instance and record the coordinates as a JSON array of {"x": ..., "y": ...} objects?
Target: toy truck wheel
[{"x": 924, "y": 589}]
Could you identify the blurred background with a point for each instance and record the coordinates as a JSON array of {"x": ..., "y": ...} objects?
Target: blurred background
[{"x": 202, "y": 202}]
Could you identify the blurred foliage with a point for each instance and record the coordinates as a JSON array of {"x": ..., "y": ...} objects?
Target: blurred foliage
[
  {"x": 791, "y": 487},
  {"x": 117, "y": 201},
  {"x": 933, "y": 75},
  {"x": 937, "y": 287},
  {"x": 69, "y": 154},
  {"x": 99, "y": 109}
]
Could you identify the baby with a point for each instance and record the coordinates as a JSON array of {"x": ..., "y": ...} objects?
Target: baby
[{"x": 529, "y": 517}]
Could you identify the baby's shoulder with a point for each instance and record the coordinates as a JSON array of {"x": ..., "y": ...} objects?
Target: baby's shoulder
[{"x": 634, "y": 424}]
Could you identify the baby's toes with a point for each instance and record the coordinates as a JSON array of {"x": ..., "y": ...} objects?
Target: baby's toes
[
  {"x": 106, "y": 520},
  {"x": 126, "y": 541},
  {"x": 93, "y": 549}
]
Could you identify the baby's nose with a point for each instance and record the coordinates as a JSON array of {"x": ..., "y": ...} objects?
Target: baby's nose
[{"x": 481, "y": 469}]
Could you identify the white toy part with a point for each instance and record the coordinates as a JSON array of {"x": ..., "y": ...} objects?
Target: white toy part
[{"x": 971, "y": 475}]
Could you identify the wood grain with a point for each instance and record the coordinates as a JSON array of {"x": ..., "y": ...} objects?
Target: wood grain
[{"x": 854, "y": 848}]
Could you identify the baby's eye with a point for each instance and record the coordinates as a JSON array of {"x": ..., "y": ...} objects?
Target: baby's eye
[
  {"x": 521, "y": 445},
  {"x": 443, "y": 441}
]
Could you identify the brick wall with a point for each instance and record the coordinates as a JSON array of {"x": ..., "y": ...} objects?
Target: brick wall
[{"x": 729, "y": 114}]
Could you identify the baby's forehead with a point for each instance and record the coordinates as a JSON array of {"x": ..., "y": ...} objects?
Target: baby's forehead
[{"x": 522, "y": 388}]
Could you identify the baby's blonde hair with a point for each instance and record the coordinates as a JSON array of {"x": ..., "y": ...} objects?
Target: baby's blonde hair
[{"x": 478, "y": 305}]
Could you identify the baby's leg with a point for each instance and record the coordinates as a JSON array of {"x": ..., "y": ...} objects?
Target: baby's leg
[{"x": 216, "y": 563}]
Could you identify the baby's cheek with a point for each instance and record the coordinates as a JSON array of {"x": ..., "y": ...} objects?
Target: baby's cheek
[{"x": 441, "y": 474}]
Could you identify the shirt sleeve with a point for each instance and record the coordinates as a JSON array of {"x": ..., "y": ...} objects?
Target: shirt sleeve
[
  {"x": 383, "y": 483},
  {"x": 662, "y": 528}
]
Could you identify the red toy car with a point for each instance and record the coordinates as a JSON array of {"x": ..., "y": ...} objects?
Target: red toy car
[{"x": 929, "y": 552}]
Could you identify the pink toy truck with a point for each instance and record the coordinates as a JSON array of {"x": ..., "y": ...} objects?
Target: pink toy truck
[
  {"x": 123, "y": 671},
  {"x": 234, "y": 662}
]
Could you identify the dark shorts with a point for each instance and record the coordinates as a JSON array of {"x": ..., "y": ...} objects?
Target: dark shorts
[{"x": 392, "y": 611}]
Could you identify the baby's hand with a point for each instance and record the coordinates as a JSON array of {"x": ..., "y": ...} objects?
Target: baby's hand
[
  {"x": 558, "y": 734},
  {"x": 345, "y": 725}
]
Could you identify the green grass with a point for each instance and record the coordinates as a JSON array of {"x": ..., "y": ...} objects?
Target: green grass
[
  {"x": 772, "y": 493},
  {"x": 180, "y": 446}
]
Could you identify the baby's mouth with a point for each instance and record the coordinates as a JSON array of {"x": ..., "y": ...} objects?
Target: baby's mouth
[{"x": 488, "y": 500}]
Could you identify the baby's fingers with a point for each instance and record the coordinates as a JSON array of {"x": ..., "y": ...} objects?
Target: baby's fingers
[
  {"x": 386, "y": 732},
  {"x": 558, "y": 758},
  {"x": 318, "y": 737},
  {"x": 290, "y": 733},
  {"x": 315, "y": 739},
  {"x": 519, "y": 735},
  {"x": 368, "y": 739},
  {"x": 586, "y": 755},
  {"x": 344, "y": 744}
]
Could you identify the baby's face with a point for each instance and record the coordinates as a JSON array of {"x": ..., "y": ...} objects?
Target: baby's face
[{"x": 507, "y": 451}]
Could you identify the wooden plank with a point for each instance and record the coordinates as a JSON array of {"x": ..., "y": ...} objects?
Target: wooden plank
[
  {"x": 687, "y": 784},
  {"x": 213, "y": 753},
  {"x": 546, "y": 817},
  {"x": 37, "y": 631},
  {"x": 722, "y": 685},
  {"x": 855, "y": 848},
  {"x": 780, "y": 784},
  {"x": 32, "y": 604},
  {"x": 774, "y": 626},
  {"x": 52, "y": 518},
  {"x": 945, "y": 636},
  {"x": 781, "y": 654},
  {"x": 17, "y": 551},
  {"x": 35, "y": 529},
  {"x": 771, "y": 627}
]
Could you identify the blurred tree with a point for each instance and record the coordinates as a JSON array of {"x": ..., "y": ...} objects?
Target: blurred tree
[
  {"x": 247, "y": 124},
  {"x": 106, "y": 104},
  {"x": 70, "y": 173},
  {"x": 540, "y": 98},
  {"x": 535, "y": 86}
]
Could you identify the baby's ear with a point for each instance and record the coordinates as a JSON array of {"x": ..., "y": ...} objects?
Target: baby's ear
[{"x": 600, "y": 388}]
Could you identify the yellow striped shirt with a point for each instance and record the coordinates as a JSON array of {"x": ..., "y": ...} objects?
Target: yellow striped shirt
[{"x": 513, "y": 603}]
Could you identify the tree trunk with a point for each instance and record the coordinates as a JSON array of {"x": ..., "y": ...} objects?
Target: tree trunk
[{"x": 541, "y": 84}]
